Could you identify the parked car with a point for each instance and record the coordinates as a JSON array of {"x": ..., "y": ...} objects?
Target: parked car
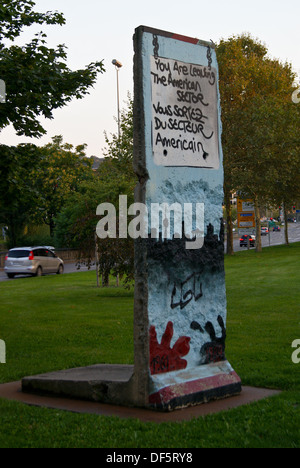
[
  {"x": 34, "y": 261},
  {"x": 276, "y": 229},
  {"x": 244, "y": 241},
  {"x": 264, "y": 231}
]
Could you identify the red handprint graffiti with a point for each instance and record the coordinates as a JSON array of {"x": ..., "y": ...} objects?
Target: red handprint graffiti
[{"x": 163, "y": 358}]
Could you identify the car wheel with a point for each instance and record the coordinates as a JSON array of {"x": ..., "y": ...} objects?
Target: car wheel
[
  {"x": 39, "y": 272},
  {"x": 60, "y": 270},
  {"x": 10, "y": 275}
]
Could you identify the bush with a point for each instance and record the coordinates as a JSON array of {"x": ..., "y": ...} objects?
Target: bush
[{"x": 36, "y": 235}]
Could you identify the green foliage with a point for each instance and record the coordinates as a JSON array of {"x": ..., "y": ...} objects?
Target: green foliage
[
  {"x": 36, "y": 235},
  {"x": 35, "y": 181},
  {"x": 61, "y": 170},
  {"x": 255, "y": 93},
  {"x": 119, "y": 151},
  {"x": 260, "y": 123},
  {"x": 117, "y": 255},
  {"x": 37, "y": 78},
  {"x": 17, "y": 194},
  {"x": 15, "y": 14},
  {"x": 77, "y": 221}
]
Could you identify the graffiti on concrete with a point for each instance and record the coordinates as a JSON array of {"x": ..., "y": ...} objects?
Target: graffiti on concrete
[
  {"x": 163, "y": 358},
  {"x": 184, "y": 114},
  {"x": 213, "y": 350},
  {"x": 189, "y": 289}
]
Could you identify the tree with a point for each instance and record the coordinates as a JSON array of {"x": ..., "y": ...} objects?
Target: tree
[
  {"x": 17, "y": 194},
  {"x": 232, "y": 58},
  {"x": 286, "y": 181},
  {"x": 119, "y": 152},
  {"x": 77, "y": 222},
  {"x": 15, "y": 14},
  {"x": 118, "y": 254},
  {"x": 76, "y": 227},
  {"x": 254, "y": 90},
  {"x": 60, "y": 172},
  {"x": 37, "y": 78},
  {"x": 35, "y": 183}
]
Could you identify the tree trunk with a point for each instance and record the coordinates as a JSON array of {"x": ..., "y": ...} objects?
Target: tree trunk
[
  {"x": 14, "y": 231},
  {"x": 229, "y": 237},
  {"x": 97, "y": 260},
  {"x": 258, "y": 226},
  {"x": 12, "y": 237},
  {"x": 286, "y": 226},
  {"x": 51, "y": 225},
  {"x": 105, "y": 279}
]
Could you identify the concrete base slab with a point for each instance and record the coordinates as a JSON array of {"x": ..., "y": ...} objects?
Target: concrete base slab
[
  {"x": 58, "y": 381},
  {"x": 113, "y": 384},
  {"x": 13, "y": 391},
  {"x": 104, "y": 383}
]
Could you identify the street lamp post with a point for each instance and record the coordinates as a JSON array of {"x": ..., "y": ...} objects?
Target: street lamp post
[{"x": 118, "y": 65}]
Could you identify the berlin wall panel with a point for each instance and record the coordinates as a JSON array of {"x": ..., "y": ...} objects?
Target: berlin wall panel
[{"x": 180, "y": 295}]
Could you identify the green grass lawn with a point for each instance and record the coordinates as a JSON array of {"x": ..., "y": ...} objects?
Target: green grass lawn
[{"x": 58, "y": 322}]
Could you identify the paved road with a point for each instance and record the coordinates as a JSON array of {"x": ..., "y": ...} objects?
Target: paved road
[
  {"x": 276, "y": 238},
  {"x": 69, "y": 268}
]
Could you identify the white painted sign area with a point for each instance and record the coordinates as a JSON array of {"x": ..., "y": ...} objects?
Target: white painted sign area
[{"x": 184, "y": 114}]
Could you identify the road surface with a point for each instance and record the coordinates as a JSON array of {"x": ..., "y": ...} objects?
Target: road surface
[
  {"x": 276, "y": 238},
  {"x": 69, "y": 268}
]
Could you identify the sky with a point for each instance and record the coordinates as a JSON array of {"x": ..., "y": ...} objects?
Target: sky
[{"x": 103, "y": 30}]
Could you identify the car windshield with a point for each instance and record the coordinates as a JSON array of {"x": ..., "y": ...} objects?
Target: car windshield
[{"x": 18, "y": 254}]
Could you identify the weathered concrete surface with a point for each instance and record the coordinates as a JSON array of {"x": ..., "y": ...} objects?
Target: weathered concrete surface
[
  {"x": 180, "y": 295},
  {"x": 105, "y": 383}
]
